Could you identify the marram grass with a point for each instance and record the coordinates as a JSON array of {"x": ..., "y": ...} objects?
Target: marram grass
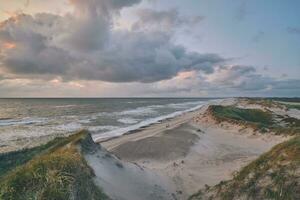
[{"x": 58, "y": 172}]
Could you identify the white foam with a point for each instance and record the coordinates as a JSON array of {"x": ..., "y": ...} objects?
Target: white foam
[
  {"x": 101, "y": 128},
  {"x": 69, "y": 127},
  {"x": 122, "y": 131},
  {"x": 184, "y": 105},
  {"x": 24, "y": 121},
  {"x": 84, "y": 121},
  {"x": 137, "y": 111},
  {"x": 66, "y": 106},
  {"x": 128, "y": 120}
]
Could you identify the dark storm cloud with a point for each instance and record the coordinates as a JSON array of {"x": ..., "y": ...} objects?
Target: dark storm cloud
[
  {"x": 90, "y": 26},
  {"x": 82, "y": 45},
  {"x": 144, "y": 57},
  {"x": 31, "y": 54}
]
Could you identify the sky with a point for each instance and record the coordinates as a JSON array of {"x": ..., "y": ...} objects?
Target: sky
[{"x": 149, "y": 48}]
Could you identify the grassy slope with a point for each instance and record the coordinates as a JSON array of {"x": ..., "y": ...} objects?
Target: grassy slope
[
  {"x": 274, "y": 175},
  {"x": 264, "y": 102},
  {"x": 256, "y": 118},
  {"x": 292, "y": 99},
  {"x": 282, "y": 103},
  {"x": 11, "y": 160},
  {"x": 292, "y": 106},
  {"x": 56, "y": 170}
]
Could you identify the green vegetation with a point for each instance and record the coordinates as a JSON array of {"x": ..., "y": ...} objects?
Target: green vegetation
[
  {"x": 292, "y": 106},
  {"x": 248, "y": 115},
  {"x": 11, "y": 160},
  {"x": 264, "y": 102},
  {"x": 274, "y": 175},
  {"x": 256, "y": 118},
  {"x": 56, "y": 170},
  {"x": 282, "y": 103},
  {"x": 290, "y": 99}
]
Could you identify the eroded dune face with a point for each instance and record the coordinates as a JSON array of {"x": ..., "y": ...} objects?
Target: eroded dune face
[{"x": 126, "y": 181}]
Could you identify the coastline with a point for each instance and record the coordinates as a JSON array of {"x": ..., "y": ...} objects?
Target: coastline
[
  {"x": 190, "y": 150},
  {"x": 111, "y": 135},
  {"x": 152, "y": 129}
]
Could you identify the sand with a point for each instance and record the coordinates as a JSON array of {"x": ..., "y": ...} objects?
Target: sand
[
  {"x": 191, "y": 150},
  {"x": 127, "y": 181},
  {"x": 170, "y": 145},
  {"x": 153, "y": 130}
]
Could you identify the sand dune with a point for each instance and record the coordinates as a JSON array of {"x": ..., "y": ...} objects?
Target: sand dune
[{"x": 192, "y": 150}]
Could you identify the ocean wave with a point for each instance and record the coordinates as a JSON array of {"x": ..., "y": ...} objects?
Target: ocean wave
[
  {"x": 128, "y": 120},
  {"x": 102, "y": 128},
  {"x": 184, "y": 105},
  {"x": 145, "y": 110},
  {"x": 69, "y": 127},
  {"x": 66, "y": 106},
  {"x": 84, "y": 121},
  {"x": 24, "y": 121},
  {"x": 147, "y": 122},
  {"x": 137, "y": 111}
]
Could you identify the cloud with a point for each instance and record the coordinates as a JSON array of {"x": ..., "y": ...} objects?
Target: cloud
[
  {"x": 229, "y": 75},
  {"x": 82, "y": 54},
  {"x": 293, "y": 30},
  {"x": 244, "y": 81},
  {"x": 26, "y": 3},
  {"x": 166, "y": 20},
  {"x": 28, "y": 51},
  {"x": 237, "y": 79},
  {"x": 258, "y": 36},
  {"x": 242, "y": 10},
  {"x": 143, "y": 57},
  {"x": 83, "y": 46}
]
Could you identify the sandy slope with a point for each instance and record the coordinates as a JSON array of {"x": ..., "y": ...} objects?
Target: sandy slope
[{"x": 127, "y": 181}]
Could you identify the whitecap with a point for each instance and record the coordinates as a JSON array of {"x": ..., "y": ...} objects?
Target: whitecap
[{"x": 128, "y": 120}]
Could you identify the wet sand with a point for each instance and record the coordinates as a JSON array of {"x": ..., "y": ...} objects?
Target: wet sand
[{"x": 170, "y": 145}]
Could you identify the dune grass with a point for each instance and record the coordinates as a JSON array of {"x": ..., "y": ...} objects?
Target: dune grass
[
  {"x": 13, "y": 159},
  {"x": 264, "y": 102},
  {"x": 282, "y": 103},
  {"x": 292, "y": 106},
  {"x": 274, "y": 175},
  {"x": 248, "y": 115},
  {"x": 258, "y": 119},
  {"x": 56, "y": 170}
]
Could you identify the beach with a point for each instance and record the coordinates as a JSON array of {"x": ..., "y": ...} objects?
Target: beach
[
  {"x": 26, "y": 123},
  {"x": 192, "y": 150},
  {"x": 217, "y": 149}
]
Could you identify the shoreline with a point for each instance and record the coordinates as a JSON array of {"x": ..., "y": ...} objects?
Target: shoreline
[
  {"x": 161, "y": 125},
  {"x": 152, "y": 129},
  {"x": 99, "y": 138},
  {"x": 191, "y": 152}
]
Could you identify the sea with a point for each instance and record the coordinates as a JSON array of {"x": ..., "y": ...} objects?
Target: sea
[{"x": 28, "y": 118}]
